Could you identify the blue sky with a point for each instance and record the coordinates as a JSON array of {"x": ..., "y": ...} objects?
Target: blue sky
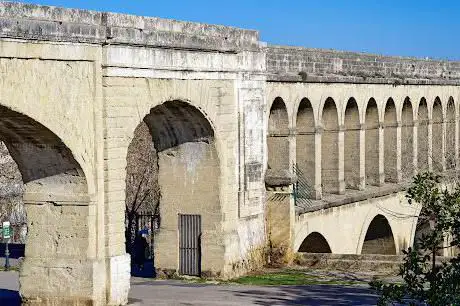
[{"x": 395, "y": 27}]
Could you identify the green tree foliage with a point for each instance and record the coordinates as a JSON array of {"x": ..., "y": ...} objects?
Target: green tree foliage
[{"x": 427, "y": 281}]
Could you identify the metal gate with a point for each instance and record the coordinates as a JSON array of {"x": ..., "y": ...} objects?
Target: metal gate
[{"x": 190, "y": 245}]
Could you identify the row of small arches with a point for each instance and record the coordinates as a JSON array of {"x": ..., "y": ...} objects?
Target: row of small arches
[{"x": 409, "y": 112}]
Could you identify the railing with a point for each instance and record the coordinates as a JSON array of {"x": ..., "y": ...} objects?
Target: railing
[{"x": 302, "y": 191}]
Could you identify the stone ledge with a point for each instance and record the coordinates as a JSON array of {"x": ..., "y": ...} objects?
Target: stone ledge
[
  {"x": 49, "y": 23},
  {"x": 295, "y": 64}
]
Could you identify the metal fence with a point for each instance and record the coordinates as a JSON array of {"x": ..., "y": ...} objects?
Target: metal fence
[{"x": 147, "y": 223}]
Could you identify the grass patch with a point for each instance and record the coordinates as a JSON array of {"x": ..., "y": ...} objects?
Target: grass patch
[{"x": 289, "y": 278}]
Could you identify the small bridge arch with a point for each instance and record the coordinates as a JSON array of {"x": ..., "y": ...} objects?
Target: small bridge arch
[
  {"x": 315, "y": 243},
  {"x": 379, "y": 238}
]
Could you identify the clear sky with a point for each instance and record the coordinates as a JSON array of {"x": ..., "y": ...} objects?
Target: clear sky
[{"x": 419, "y": 28}]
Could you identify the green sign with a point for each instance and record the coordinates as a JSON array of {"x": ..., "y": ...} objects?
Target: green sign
[{"x": 6, "y": 230}]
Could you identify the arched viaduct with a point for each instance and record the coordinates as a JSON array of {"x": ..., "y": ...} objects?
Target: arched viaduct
[{"x": 230, "y": 118}]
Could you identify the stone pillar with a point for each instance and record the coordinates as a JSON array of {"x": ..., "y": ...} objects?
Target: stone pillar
[
  {"x": 317, "y": 188},
  {"x": 341, "y": 155},
  {"x": 280, "y": 218},
  {"x": 381, "y": 155},
  {"x": 430, "y": 145},
  {"x": 399, "y": 153},
  {"x": 362, "y": 157},
  {"x": 60, "y": 267}
]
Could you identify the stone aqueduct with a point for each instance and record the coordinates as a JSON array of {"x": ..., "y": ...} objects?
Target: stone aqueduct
[{"x": 230, "y": 118}]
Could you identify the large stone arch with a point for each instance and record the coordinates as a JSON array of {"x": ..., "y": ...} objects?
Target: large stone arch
[
  {"x": 390, "y": 142},
  {"x": 372, "y": 143},
  {"x": 423, "y": 137},
  {"x": 379, "y": 238},
  {"x": 59, "y": 265},
  {"x": 305, "y": 147},
  {"x": 314, "y": 243},
  {"x": 278, "y": 137},
  {"x": 407, "y": 140},
  {"x": 185, "y": 182},
  {"x": 451, "y": 159},
  {"x": 330, "y": 148},
  {"x": 437, "y": 136},
  {"x": 352, "y": 145}
]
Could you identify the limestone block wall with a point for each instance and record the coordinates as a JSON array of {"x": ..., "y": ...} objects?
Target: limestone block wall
[{"x": 49, "y": 108}]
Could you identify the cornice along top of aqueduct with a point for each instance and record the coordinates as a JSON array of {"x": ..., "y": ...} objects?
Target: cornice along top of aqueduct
[
  {"x": 37, "y": 22},
  {"x": 283, "y": 63}
]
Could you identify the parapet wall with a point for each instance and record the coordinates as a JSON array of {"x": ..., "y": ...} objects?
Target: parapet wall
[
  {"x": 29, "y": 21},
  {"x": 293, "y": 64}
]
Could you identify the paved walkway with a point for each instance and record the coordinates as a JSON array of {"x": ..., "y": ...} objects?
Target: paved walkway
[{"x": 151, "y": 292}]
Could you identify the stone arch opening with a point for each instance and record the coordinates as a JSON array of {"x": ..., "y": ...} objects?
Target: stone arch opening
[
  {"x": 305, "y": 149},
  {"x": 278, "y": 138},
  {"x": 183, "y": 167},
  {"x": 390, "y": 142},
  {"x": 450, "y": 135},
  {"x": 352, "y": 145},
  {"x": 379, "y": 238},
  {"x": 315, "y": 243},
  {"x": 372, "y": 143},
  {"x": 407, "y": 140},
  {"x": 58, "y": 212},
  {"x": 423, "y": 137},
  {"x": 437, "y": 137},
  {"x": 330, "y": 149}
]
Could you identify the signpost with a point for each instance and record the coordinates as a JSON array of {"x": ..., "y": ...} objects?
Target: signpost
[{"x": 6, "y": 232}]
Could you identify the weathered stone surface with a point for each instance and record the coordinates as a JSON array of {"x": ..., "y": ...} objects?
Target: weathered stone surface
[{"x": 294, "y": 64}]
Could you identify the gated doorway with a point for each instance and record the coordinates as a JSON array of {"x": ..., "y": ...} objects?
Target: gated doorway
[{"x": 190, "y": 245}]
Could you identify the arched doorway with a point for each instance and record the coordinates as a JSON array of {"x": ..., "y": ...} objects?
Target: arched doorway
[
  {"x": 422, "y": 137},
  {"x": 184, "y": 188},
  {"x": 352, "y": 145},
  {"x": 315, "y": 243},
  {"x": 305, "y": 150},
  {"x": 390, "y": 142},
  {"x": 372, "y": 143},
  {"x": 278, "y": 138},
  {"x": 407, "y": 140},
  {"x": 59, "y": 213},
  {"x": 450, "y": 135},
  {"x": 437, "y": 137},
  {"x": 379, "y": 238},
  {"x": 330, "y": 148}
]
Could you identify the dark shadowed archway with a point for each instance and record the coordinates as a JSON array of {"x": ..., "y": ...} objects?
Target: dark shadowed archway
[
  {"x": 184, "y": 180},
  {"x": 379, "y": 238},
  {"x": 315, "y": 243},
  {"x": 58, "y": 211}
]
